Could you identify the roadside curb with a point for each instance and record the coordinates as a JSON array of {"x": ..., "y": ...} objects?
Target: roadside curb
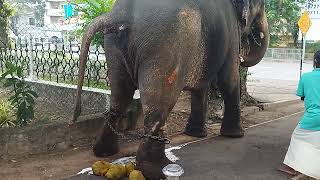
[
  {"x": 301, "y": 177},
  {"x": 279, "y": 104},
  {"x": 264, "y": 106}
]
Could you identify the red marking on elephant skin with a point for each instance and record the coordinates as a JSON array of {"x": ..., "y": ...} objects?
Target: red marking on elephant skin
[{"x": 172, "y": 77}]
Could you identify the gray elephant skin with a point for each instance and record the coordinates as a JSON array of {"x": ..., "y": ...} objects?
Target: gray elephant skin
[{"x": 162, "y": 47}]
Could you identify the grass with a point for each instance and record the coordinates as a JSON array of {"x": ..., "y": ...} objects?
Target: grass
[{"x": 7, "y": 118}]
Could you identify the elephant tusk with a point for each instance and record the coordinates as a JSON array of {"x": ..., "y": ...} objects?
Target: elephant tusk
[
  {"x": 261, "y": 35},
  {"x": 241, "y": 59},
  {"x": 122, "y": 27}
]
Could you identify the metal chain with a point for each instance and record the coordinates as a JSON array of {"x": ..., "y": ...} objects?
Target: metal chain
[
  {"x": 157, "y": 138},
  {"x": 123, "y": 136},
  {"x": 107, "y": 122}
]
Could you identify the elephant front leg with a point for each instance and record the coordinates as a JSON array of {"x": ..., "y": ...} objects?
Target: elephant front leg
[
  {"x": 196, "y": 122},
  {"x": 229, "y": 84}
]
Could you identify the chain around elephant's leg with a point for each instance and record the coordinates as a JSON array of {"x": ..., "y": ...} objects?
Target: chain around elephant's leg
[
  {"x": 106, "y": 143},
  {"x": 151, "y": 156},
  {"x": 122, "y": 90}
]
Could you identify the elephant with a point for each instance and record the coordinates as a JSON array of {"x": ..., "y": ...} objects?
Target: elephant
[{"x": 168, "y": 46}]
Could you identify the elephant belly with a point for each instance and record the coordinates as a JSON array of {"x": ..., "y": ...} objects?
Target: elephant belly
[{"x": 191, "y": 47}]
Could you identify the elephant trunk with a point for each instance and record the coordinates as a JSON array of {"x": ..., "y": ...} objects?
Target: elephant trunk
[
  {"x": 258, "y": 42},
  {"x": 104, "y": 23}
]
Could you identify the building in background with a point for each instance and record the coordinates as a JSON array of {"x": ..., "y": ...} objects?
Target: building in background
[
  {"x": 54, "y": 12},
  {"x": 56, "y": 25},
  {"x": 313, "y": 7}
]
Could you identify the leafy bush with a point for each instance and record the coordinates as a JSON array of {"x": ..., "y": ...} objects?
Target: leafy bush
[
  {"x": 23, "y": 95},
  {"x": 6, "y": 114},
  {"x": 6, "y": 11},
  {"x": 90, "y": 10},
  {"x": 312, "y": 47}
]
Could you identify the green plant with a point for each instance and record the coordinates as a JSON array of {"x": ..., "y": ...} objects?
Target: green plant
[
  {"x": 6, "y": 114},
  {"x": 92, "y": 9},
  {"x": 313, "y": 47},
  {"x": 283, "y": 16},
  {"x": 6, "y": 11},
  {"x": 23, "y": 95}
]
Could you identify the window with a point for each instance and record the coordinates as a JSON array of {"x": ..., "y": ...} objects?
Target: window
[
  {"x": 56, "y": 20},
  {"x": 32, "y": 21},
  {"x": 55, "y": 5}
]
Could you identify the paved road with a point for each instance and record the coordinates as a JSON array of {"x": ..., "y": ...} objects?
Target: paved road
[
  {"x": 278, "y": 70},
  {"x": 254, "y": 157},
  {"x": 271, "y": 81}
]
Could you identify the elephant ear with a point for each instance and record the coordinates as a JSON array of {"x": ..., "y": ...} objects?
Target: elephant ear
[{"x": 242, "y": 7}]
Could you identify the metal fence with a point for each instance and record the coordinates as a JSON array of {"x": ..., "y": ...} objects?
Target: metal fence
[
  {"x": 55, "y": 61},
  {"x": 47, "y": 47},
  {"x": 285, "y": 54},
  {"x": 49, "y": 50},
  {"x": 51, "y": 53},
  {"x": 59, "y": 61}
]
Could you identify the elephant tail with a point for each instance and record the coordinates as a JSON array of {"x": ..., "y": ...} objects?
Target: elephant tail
[{"x": 104, "y": 23}]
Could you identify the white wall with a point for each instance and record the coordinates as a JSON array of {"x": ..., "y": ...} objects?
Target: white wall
[
  {"x": 314, "y": 31},
  {"x": 313, "y": 7}
]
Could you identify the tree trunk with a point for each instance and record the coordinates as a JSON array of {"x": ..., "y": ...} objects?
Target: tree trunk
[
  {"x": 215, "y": 101},
  {"x": 245, "y": 98}
]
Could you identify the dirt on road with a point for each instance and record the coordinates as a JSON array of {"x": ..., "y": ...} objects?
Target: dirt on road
[{"x": 59, "y": 165}]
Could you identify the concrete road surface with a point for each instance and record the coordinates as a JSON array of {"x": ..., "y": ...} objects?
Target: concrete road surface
[
  {"x": 271, "y": 81},
  {"x": 254, "y": 157},
  {"x": 289, "y": 71}
]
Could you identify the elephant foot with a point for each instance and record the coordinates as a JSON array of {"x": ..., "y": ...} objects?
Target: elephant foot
[
  {"x": 106, "y": 144},
  {"x": 153, "y": 170},
  {"x": 151, "y": 159},
  {"x": 194, "y": 131},
  {"x": 236, "y": 132}
]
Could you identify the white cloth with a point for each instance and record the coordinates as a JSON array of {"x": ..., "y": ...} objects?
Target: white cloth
[{"x": 304, "y": 152}]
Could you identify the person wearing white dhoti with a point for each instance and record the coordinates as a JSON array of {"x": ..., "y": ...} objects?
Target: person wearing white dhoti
[{"x": 303, "y": 154}]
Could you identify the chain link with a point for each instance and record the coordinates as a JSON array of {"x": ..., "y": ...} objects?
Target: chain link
[
  {"x": 111, "y": 127},
  {"x": 157, "y": 138},
  {"x": 123, "y": 136}
]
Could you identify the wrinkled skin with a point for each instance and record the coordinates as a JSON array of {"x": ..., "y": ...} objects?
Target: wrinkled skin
[{"x": 164, "y": 47}]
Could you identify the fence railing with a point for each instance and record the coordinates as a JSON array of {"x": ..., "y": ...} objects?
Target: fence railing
[
  {"x": 285, "y": 54},
  {"x": 58, "y": 62}
]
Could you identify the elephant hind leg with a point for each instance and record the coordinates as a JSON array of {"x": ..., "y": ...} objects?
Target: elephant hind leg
[
  {"x": 151, "y": 158},
  {"x": 158, "y": 97},
  {"x": 106, "y": 143},
  {"x": 122, "y": 90},
  {"x": 196, "y": 122}
]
